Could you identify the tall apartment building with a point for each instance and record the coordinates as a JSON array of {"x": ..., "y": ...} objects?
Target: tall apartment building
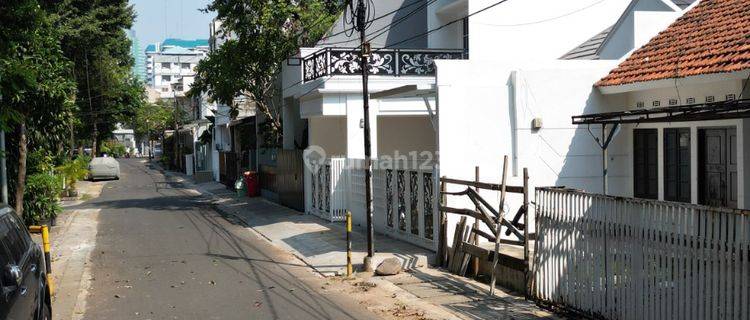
[
  {"x": 170, "y": 65},
  {"x": 139, "y": 65}
]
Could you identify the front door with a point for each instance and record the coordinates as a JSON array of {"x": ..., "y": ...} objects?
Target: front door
[{"x": 718, "y": 167}]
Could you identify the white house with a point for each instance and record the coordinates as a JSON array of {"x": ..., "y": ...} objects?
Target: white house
[
  {"x": 508, "y": 83},
  {"x": 681, "y": 104},
  {"x": 126, "y": 137}
]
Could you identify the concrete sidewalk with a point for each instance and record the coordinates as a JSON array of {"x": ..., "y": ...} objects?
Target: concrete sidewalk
[{"x": 322, "y": 245}]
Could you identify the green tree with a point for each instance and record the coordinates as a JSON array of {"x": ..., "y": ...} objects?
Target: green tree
[
  {"x": 263, "y": 34},
  {"x": 94, "y": 39},
  {"x": 35, "y": 86}
]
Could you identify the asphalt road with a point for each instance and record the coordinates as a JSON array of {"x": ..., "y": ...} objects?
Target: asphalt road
[{"x": 162, "y": 253}]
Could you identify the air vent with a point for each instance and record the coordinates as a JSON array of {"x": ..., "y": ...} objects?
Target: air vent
[
  {"x": 731, "y": 97},
  {"x": 656, "y": 103},
  {"x": 710, "y": 99},
  {"x": 690, "y": 100},
  {"x": 672, "y": 102},
  {"x": 640, "y": 104}
]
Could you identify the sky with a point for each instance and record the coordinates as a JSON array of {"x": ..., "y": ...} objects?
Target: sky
[{"x": 160, "y": 19}]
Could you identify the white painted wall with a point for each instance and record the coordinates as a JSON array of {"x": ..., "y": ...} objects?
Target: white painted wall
[
  {"x": 440, "y": 13},
  {"x": 485, "y": 112},
  {"x": 536, "y": 29},
  {"x": 641, "y": 22}
]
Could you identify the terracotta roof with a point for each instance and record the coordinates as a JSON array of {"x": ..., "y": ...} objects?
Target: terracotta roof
[{"x": 713, "y": 37}]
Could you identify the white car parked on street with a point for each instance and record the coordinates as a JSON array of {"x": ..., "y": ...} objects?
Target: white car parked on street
[{"x": 104, "y": 168}]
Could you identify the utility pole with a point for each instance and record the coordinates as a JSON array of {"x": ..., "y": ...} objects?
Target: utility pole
[
  {"x": 176, "y": 134},
  {"x": 360, "y": 22},
  {"x": 3, "y": 169},
  {"x": 91, "y": 109}
]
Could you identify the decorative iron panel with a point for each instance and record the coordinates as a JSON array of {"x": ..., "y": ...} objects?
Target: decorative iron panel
[
  {"x": 309, "y": 69},
  {"x": 401, "y": 200},
  {"x": 427, "y": 200},
  {"x": 345, "y": 62},
  {"x": 313, "y": 187},
  {"x": 414, "y": 201},
  {"x": 389, "y": 196},
  {"x": 422, "y": 63},
  {"x": 341, "y": 61}
]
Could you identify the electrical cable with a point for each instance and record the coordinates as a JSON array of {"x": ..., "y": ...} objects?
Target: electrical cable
[
  {"x": 443, "y": 26},
  {"x": 389, "y": 26},
  {"x": 373, "y": 20},
  {"x": 544, "y": 20}
]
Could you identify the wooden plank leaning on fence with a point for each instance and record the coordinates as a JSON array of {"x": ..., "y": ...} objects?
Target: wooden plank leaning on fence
[{"x": 499, "y": 218}]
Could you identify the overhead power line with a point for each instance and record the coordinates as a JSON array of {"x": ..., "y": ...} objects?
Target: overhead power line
[
  {"x": 411, "y": 38},
  {"x": 373, "y": 20},
  {"x": 443, "y": 26}
]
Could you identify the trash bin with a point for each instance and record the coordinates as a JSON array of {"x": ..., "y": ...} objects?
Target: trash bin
[{"x": 252, "y": 183}]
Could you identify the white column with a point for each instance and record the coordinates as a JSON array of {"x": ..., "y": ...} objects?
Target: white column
[{"x": 355, "y": 127}]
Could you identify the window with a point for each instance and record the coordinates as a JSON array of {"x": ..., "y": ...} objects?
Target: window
[
  {"x": 677, "y": 164},
  {"x": 166, "y": 65},
  {"x": 645, "y": 171},
  {"x": 16, "y": 242},
  {"x": 166, "y": 78},
  {"x": 186, "y": 66}
]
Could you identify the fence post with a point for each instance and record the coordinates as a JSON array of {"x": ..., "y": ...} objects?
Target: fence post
[
  {"x": 475, "y": 237},
  {"x": 526, "y": 231},
  {"x": 498, "y": 226}
]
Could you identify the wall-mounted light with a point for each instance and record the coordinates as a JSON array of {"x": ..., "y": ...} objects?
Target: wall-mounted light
[
  {"x": 361, "y": 123},
  {"x": 536, "y": 124}
]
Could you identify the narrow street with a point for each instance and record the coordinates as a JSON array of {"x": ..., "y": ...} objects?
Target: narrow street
[{"x": 163, "y": 253}]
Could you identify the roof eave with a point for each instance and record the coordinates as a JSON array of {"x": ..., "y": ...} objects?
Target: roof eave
[{"x": 673, "y": 82}]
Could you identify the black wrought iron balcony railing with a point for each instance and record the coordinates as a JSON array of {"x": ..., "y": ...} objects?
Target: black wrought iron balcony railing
[{"x": 389, "y": 62}]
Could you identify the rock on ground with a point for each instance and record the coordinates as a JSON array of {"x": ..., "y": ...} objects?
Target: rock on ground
[{"x": 388, "y": 267}]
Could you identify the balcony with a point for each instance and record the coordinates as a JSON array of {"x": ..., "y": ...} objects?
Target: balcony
[{"x": 388, "y": 62}]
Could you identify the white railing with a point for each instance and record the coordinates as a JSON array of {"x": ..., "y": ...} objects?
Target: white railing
[
  {"x": 624, "y": 258},
  {"x": 404, "y": 199},
  {"x": 328, "y": 189}
]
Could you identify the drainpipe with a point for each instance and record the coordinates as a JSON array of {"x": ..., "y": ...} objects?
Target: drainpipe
[{"x": 604, "y": 160}]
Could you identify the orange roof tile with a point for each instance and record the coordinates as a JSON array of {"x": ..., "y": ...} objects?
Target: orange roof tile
[{"x": 713, "y": 37}]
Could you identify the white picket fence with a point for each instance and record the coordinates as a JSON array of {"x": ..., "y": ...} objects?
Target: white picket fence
[{"x": 624, "y": 258}]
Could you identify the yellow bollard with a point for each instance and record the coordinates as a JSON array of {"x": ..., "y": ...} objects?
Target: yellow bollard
[
  {"x": 47, "y": 260},
  {"x": 348, "y": 244},
  {"x": 44, "y": 230}
]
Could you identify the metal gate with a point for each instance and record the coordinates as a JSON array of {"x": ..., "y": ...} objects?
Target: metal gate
[{"x": 290, "y": 181}]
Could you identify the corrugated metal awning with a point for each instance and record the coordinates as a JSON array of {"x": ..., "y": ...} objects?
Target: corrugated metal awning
[{"x": 730, "y": 109}]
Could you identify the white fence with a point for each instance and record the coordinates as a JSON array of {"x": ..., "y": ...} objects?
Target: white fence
[
  {"x": 328, "y": 189},
  {"x": 404, "y": 198},
  {"x": 623, "y": 258}
]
